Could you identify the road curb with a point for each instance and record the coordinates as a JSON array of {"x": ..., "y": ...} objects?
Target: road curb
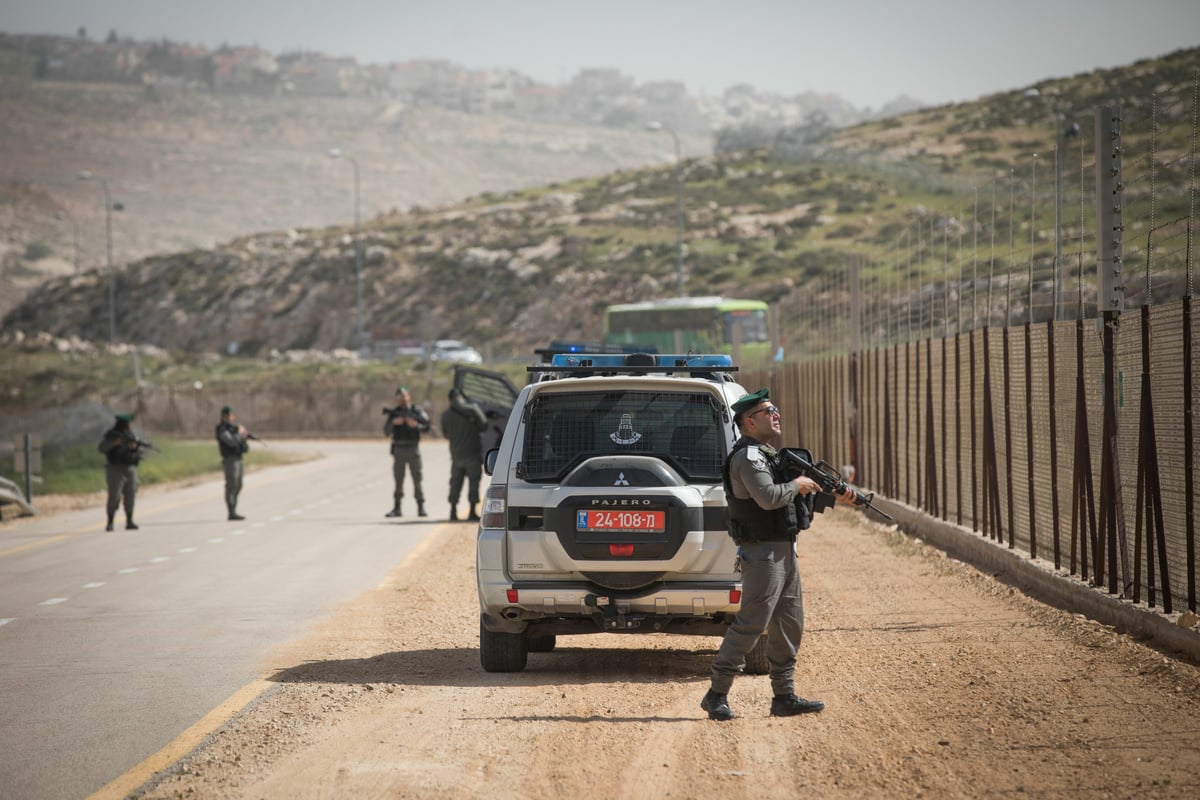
[{"x": 1039, "y": 579}]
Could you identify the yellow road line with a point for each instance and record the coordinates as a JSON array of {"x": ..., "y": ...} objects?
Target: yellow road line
[{"x": 124, "y": 785}]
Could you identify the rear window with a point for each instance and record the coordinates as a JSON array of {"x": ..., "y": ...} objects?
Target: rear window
[{"x": 682, "y": 428}]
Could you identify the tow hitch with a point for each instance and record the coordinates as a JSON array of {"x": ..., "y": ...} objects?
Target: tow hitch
[{"x": 609, "y": 618}]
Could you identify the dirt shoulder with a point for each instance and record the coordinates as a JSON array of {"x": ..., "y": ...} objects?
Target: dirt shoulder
[{"x": 940, "y": 682}]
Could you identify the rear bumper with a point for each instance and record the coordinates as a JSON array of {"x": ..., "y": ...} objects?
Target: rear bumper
[{"x": 575, "y": 608}]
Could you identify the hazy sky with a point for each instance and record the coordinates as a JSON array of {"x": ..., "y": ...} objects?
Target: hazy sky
[{"x": 867, "y": 51}]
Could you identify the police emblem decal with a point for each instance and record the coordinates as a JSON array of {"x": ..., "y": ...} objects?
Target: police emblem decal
[{"x": 625, "y": 433}]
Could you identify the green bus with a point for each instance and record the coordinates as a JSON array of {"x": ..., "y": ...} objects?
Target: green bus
[{"x": 693, "y": 324}]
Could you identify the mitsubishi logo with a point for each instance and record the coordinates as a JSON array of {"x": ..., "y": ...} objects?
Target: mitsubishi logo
[{"x": 620, "y": 481}]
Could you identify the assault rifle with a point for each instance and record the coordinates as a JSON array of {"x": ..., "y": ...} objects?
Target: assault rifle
[
  {"x": 142, "y": 443},
  {"x": 800, "y": 462}
]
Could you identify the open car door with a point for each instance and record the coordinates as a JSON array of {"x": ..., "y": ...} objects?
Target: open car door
[{"x": 494, "y": 393}]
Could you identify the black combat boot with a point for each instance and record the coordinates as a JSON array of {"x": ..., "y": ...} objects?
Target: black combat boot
[
  {"x": 395, "y": 512},
  {"x": 474, "y": 515},
  {"x": 130, "y": 525},
  {"x": 109, "y": 526},
  {"x": 453, "y": 513},
  {"x": 717, "y": 706},
  {"x": 788, "y": 705},
  {"x": 421, "y": 509}
]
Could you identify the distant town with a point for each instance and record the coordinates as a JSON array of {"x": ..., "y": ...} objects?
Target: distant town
[{"x": 601, "y": 96}]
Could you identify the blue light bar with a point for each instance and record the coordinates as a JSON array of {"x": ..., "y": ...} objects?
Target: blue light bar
[{"x": 661, "y": 360}]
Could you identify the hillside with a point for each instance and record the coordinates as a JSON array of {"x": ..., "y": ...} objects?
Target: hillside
[
  {"x": 510, "y": 269},
  {"x": 193, "y": 169}
]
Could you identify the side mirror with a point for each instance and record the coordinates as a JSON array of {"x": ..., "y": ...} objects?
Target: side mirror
[{"x": 489, "y": 460}]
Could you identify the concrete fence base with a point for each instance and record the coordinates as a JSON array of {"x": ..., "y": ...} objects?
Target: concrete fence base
[{"x": 1040, "y": 580}]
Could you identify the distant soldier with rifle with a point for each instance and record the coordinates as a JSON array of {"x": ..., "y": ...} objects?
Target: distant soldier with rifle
[
  {"x": 234, "y": 442},
  {"x": 405, "y": 423},
  {"x": 763, "y": 519},
  {"x": 122, "y": 450}
]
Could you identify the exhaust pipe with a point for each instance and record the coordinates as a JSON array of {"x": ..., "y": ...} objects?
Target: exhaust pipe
[{"x": 511, "y": 613}]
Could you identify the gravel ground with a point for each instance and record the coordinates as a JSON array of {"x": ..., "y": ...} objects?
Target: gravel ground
[{"x": 940, "y": 682}]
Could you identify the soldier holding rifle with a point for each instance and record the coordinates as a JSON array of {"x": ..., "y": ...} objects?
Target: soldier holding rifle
[
  {"x": 763, "y": 520},
  {"x": 234, "y": 442},
  {"x": 122, "y": 450},
  {"x": 405, "y": 423}
]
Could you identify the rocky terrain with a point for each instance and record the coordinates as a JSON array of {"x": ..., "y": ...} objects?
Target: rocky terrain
[
  {"x": 194, "y": 170},
  {"x": 552, "y": 224}
]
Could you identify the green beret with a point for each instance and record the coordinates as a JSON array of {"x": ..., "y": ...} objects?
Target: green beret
[
  {"x": 748, "y": 401},
  {"x": 125, "y": 417},
  {"x": 226, "y": 410}
]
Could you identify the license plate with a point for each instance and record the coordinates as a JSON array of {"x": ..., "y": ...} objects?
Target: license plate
[{"x": 621, "y": 521}]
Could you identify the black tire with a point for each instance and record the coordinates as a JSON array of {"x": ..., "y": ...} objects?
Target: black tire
[
  {"x": 541, "y": 644},
  {"x": 756, "y": 659},
  {"x": 502, "y": 652}
]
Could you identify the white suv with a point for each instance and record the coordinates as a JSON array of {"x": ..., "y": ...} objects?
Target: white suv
[
  {"x": 606, "y": 511},
  {"x": 454, "y": 350}
]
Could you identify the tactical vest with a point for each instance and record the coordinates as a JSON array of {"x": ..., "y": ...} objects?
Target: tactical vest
[
  {"x": 226, "y": 450},
  {"x": 750, "y": 522}
]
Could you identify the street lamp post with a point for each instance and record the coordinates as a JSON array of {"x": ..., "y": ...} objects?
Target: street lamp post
[
  {"x": 658, "y": 126},
  {"x": 360, "y": 329},
  {"x": 112, "y": 292}
]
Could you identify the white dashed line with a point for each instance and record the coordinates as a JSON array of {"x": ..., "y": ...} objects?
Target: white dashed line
[
  {"x": 277, "y": 518},
  {"x": 259, "y": 525},
  {"x": 238, "y": 532},
  {"x": 187, "y": 549},
  {"x": 159, "y": 559},
  {"x": 217, "y": 540},
  {"x": 294, "y": 512},
  {"x": 6, "y": 620},
  {"x": 92, "y": 585},
  {"x": 53, "y": 601},
  {"x": 127, "y": 570}
]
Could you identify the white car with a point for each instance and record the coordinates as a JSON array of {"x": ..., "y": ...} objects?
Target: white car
[
  {"x": 454, "y": 350},
  {"x": 606, "y": 510}
]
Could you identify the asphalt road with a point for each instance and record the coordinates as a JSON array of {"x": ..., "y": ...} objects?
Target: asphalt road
[{"x": 112, "y": 644}]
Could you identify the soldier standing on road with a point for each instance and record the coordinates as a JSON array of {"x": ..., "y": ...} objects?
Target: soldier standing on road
[
  {"x": 233, "y": 441},
  {"x": 764, "y": 522},
  {"x": 463, "y": 423},
  {"x": 405, "y": 424},
  {"x": 122, "y": 451}
]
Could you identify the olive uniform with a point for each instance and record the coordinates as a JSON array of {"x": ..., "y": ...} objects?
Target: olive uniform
[
  {"x": 405, "y": 424},
  {"x": 122, "y": 452},
  {"x": 463, "y": 423},
  {"x": 232, "y": 442},
  {"x": 763, "y": 521}
]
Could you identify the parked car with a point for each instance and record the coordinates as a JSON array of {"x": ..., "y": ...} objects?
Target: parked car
[
  {"x": 454, "y": 350},
  {"x": 606, "y": 510}
]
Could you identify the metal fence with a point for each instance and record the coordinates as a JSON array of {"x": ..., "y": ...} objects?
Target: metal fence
[
  {"x": 305, "y": 411},
  {"x": 1045, "y": 401}
]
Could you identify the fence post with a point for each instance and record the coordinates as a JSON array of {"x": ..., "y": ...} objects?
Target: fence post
[
  {"x": 1111, "y": 299},
  {"x": 1109, "y": 226}
]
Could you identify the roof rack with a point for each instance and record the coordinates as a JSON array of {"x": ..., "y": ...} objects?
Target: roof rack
[{"x": 583, "y": 364}]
